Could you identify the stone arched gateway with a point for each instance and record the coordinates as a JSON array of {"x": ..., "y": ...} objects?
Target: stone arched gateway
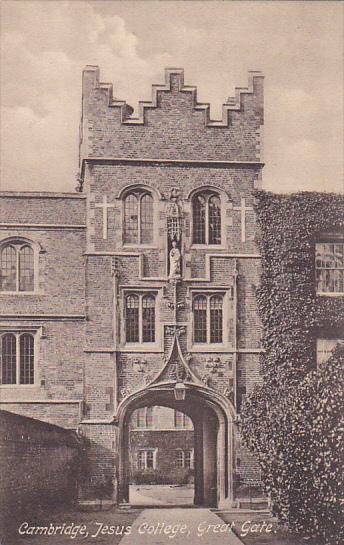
[
  {"x": 151, "y": 291},
  {"x": 212, "y": 417}
]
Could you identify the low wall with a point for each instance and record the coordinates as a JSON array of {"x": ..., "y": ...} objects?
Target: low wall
[{"x": 38, "y": 465}]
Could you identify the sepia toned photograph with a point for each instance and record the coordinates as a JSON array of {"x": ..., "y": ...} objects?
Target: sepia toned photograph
[{"x": 171, "y": 272}]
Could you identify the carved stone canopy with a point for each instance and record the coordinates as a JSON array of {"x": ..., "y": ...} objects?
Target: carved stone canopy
[
  {"x": 176, "y": 366},
  {"x": 174, "y": 215}
]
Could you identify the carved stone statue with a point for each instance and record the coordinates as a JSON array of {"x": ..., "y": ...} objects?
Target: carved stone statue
[{"x": 175, "y": 257}]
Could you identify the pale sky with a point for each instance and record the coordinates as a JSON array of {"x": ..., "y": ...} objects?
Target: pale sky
[{"x": 297, "y": 45}]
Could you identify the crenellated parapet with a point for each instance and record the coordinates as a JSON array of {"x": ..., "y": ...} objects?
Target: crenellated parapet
[
  {"x": 174, "y": 81},
  {"x": 173, "y": 125}
]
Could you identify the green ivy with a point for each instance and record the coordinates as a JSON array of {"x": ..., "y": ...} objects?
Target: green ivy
[{"x": 291, "y": 421}]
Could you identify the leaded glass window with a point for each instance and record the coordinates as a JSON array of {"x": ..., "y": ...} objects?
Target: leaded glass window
[
  {"x": 216, "y": 319},
  {"x": 140, "y": 318},
  {"x": 17, "y": 358},
  {"x": 138, "y": 218},
  {"x": 214, "y": 215},
  {"x": 146, "y": 218},
  {"x": 208, "y": 318},
  {"x": 8, "y": 359},
  {"x": 200, "y": 319},
  {"x": 26, "y": 359},
  {"x": 199, "y": 219},
  {"x": 206, "y": 216},
  {"x": 329, "y": 264},
  {"x": 132, "y": 319},
  {"x": 16, "y": 267},
  {"x": 148, "y": 319},
  {"x": 131, "y": 216}
]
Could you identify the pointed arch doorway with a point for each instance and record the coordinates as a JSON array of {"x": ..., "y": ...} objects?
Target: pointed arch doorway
[{"x": 212, "y": 421}]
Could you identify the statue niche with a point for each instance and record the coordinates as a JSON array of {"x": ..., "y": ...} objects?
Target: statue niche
[{"x": 174, "y": 236}]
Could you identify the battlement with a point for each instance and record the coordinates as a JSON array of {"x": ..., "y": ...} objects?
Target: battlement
[
  {"x": 174, "y": 82},
  {"x": 173, "y": 125}
]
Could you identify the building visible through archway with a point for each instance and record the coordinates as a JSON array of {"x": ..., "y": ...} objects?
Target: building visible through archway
[
  {"x": 211, "y": 425},
  {"x": 161, "y": 452}
]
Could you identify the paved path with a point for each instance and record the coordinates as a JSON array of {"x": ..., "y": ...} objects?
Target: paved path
[
  {"x": 155, "y": 495},
  {"x": 180, "y": 527}
]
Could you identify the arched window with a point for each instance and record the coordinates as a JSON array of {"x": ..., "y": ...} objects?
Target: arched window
[
  {"x": 214, "y": 220},
  {"x": 138, "y": 218},
  {"x": 206, "y": 216},
  {"x": 146, "y": 218},
  {"x": 140, "y": 318},
  {"x": 16, "y": 267},
  {"x": 17, "y": 358},
  {"x": 208, "y": 318}
]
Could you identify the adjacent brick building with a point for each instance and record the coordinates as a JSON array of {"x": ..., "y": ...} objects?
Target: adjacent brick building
[{"x": 139, "y": 290}]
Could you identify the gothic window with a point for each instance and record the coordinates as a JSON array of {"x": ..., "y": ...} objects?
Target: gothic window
[
  {"x": 17, "y": 267},
  {"x": 208, "y": 319},
  {"x": 146, "y": 218},
  {"x": 140, "y": 318},
  {"x": 17, "y": 358},
  {"x": 329, "y": 265},
  {"x": 324, "y": 349},
  {"x": 206, "y": 215},
  {"x": 138, "y": 218},
  {"x": 214, "y": 219}
]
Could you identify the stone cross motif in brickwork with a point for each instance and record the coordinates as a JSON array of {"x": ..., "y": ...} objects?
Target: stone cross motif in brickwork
[
  {"x": 243, "y": 209},
  {"x": 105, "y": 206}
]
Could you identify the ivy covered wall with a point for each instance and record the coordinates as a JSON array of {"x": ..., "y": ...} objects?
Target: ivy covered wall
[
  {"x": 291, "y": 312},
  {"x": 292, "y": 421}
]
